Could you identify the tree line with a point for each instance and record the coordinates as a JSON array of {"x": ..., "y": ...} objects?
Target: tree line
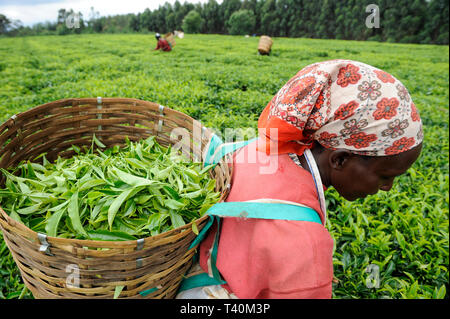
[{"x": 407, "y": 21}]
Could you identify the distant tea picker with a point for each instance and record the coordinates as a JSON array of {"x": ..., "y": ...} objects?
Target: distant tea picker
[
  {"x": 166, "y": 43},
  {"x": 265, "y": 45}
]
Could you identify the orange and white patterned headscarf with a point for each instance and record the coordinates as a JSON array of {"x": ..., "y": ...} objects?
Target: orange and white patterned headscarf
[{"x": 341, "y": 104}]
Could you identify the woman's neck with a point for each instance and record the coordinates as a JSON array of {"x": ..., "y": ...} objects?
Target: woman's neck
[{"x": 321, "y": 163}]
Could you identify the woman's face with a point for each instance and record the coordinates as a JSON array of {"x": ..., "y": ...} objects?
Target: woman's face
[{"x": 355, "y": 177}]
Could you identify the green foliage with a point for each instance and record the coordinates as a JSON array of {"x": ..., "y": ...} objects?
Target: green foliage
[
  {"x": 193, "y": 22},
  {"x": 241, "y": 22},
  {"x": 213, "y": 18},
  {"x": 11, "y": 284},
  {"x": 4, "y": 24},
  {"x": 140, "y": 190},
  {"x": 405, "y": 21},
  {"x": 223, "y": 82}
]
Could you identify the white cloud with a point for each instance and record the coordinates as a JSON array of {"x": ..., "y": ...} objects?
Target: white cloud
[{"x": 47, "y": 10}]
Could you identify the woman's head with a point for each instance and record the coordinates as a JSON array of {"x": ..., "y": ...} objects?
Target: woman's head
[
  {"x": 356, "y": 112},
  {"x": 357, "y": 176}
]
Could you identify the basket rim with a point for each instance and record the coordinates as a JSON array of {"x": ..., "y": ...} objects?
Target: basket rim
[
  {"x": 88, "y": 242},
  {"x": 89, "y": 100}
]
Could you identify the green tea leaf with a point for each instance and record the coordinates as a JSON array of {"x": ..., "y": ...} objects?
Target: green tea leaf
[
  {"x": 171, "y": 192},
  {"x": 13, "y": 214},
  {"x": 97, "y": 142},
  {"x": 173, "y": 204},
  {"x": 132, "y": 179},
  {"x": 441, "y": 292},
  {"x": 91, "y": 184},
  {"x": 112, "y": 211},
  {"x": 195, "y": 228},
  {"x": 51, "y": 226},
  {"x": 29, "y": 210},
  {"x": 176, "y": 219},
  {"x": 117, "y": 291},
  {"x": 103, "y": 234},
  {"x": 192, "y": 194},
  {"x": 74, "y": 215}
]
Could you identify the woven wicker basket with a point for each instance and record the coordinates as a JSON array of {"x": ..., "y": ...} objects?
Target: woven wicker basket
[
  {"x": 156, "y": 262},
  {"x": 170, "y": 38},
  {"x": 265, "y": 44}
]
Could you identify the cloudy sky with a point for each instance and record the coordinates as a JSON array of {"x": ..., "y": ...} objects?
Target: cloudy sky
[{"x": 34, "y": 11}]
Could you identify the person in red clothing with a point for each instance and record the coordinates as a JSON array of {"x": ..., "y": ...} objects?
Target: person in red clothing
[
  {"x": 338, "y": 123},
  {"x": 162, "y": 44}
]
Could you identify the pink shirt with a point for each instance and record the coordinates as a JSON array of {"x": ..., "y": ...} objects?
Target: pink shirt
[{"x": 272, "y": 258}]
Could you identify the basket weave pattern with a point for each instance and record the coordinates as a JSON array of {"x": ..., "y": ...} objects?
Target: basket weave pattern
[
  {"x": 170, "y": 38},
  {"x": 265, "y": 44},
  {"x": 157, "y": 262}
]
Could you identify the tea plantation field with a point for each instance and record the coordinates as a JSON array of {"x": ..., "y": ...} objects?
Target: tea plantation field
[{"x": 390, "y": 245}]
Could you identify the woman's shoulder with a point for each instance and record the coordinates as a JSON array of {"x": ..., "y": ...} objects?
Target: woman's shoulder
[{"x": 259, "y": 176}]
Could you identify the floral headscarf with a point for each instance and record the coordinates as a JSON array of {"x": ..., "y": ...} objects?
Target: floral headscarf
[{"x": 341, "y": 104}]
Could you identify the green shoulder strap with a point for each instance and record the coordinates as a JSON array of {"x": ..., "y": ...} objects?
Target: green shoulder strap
[
  {"x": 217, "y": 149},
  {"x": 257, "y": 210}
]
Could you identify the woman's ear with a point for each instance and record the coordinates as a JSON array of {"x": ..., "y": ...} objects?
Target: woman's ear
[{"x": 339, "y": 158}]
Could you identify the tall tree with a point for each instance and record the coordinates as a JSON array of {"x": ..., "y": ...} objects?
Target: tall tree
[
  {"x": 179, "y": 14},
  {"x": 145, "y": 20},
  {"x": 134, "y": 23},
  {"x": 282, "y": 7},
  {"x": 257, "y": 10},
  {"x": 436, "y": 25},
  {"x": 193, "y": 22},
  {"x": 159, "y": 16},
  {"x": 4, "y": 24},
  {"x": 297, "y": 21},
  {"x": 227, "y": 8},
  {"x": 323, "y": 22},
  {"x": 213, "y": 19},
  {"x": 269, "y": 19},
  {"x": 241, "y": 22},
  {"x": 390, "y": 20},
  {"x": 249, "y": 5}
]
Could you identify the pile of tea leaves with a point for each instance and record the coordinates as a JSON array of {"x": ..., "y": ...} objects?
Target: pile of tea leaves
[{"x": 140, "y": 190}]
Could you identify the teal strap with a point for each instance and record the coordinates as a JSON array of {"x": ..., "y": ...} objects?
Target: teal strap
[
  {"x": 227, "y": 148},
  {"x": 264, "y": 211},
  {"x": 204, "y": 279},
  {"x": 197, "y": 281},
  {"x": 214, "y": 270},
  {"x": 257, "y": 210},
  {"x": 214, "y": 143},
  {"x": 203, "y": 232},
  {"x": 148, "y": 291}
]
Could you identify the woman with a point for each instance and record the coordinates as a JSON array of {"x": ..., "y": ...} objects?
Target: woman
[
  {"x": 337, "y": 123},
  {"x": 162, "y": 44}
]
